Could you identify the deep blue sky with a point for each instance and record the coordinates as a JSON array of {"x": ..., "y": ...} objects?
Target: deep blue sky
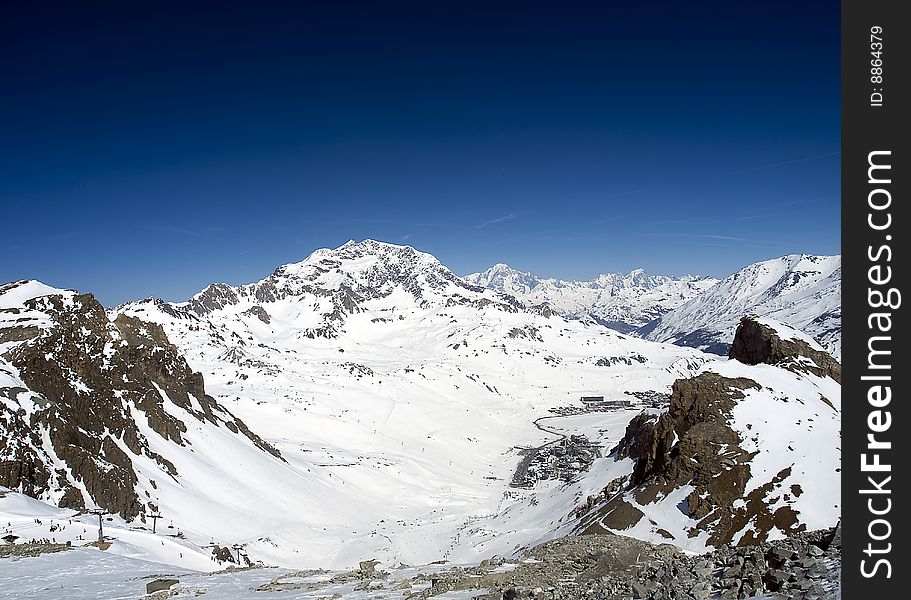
[{"x": 149, "y": 148}]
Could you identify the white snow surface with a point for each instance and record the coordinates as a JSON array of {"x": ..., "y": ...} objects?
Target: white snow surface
[
  {"x": 792, "y": 422},
  {"x": 136, "y": 556},
  {"x": 398, "y": 396},
  {"x": 620, "y": 300},
  {"x": 16, "y": 294},
  {"x": 799, "y": 290},
  {"x": 15, "y": 313}
]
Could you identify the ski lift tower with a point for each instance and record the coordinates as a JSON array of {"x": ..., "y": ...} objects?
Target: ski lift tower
[
  {"x": 154, "y": 516},
  {"x": 237, "y": 548},
  {"x": 100, "y": 512}
]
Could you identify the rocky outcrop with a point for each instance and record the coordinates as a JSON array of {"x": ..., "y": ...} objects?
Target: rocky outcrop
[
  {"x": 85, "y": 382},
  {"x": 701, "y": 450},
  {"x": 690, "y": 444},
  {"x": 259, "y": 312},
  {"x": 756, "y": 342}
]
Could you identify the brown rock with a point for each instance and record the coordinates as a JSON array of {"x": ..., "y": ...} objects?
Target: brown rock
[{"x": 756, "y": 343}]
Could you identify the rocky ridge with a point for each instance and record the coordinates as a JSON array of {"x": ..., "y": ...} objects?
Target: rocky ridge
[
  {"x": 758, "y": 341},
  {"x": 82, "y": 395}
]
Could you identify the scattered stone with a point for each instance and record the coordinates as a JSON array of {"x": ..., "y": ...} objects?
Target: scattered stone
[
  {"x": 776, "y": 578},
  {"x": 643, "y": 589},
  {"x": 368, "y": 567},
  {"x": 779, "y": 556},
  {"x": 159, "y": 585},
  {"x": 613, "y": 567}
]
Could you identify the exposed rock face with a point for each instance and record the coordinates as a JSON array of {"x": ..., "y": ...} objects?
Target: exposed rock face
[
  {"x": 756, "y": 342},
  {"x": 696, "y": 419},
  {"x": 681, "y": 447},
  {"x": 70, "y": 432},
  {"x": 701, "y": 450}
]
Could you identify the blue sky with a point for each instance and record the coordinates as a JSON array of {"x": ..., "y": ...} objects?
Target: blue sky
[{"x": 151, "y": 149}]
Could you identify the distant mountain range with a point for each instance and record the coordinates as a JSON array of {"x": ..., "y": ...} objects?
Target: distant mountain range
[
  {"x": 622, "y": 301},
  {"x": 800, "y": 290}
]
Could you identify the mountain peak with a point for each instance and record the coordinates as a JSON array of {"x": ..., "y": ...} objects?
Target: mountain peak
[
  {"x": 337, "y": 282},
  {"x": 352, "y": 258}
]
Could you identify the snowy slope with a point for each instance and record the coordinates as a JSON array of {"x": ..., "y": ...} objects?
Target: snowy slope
[
  {"x": 106, "y": 413},
  {"x": 800, "y": 290},
  {"x": 31, "y": 519},
  {"x": 622, "y": 301},
  {"x": 397, "y": 393}
]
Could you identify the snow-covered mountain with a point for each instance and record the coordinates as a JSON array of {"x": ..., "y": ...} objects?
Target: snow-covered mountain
[
  {"x": 389, "y": 395},
  {"x": 800, "y": 290},
  {"x": 621, "y": 301},
  {"x": 362, "y": 403}
]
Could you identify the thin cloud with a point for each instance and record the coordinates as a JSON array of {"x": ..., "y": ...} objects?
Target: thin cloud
[
  {"x": 753, "y": 217},
  {"x": 733, "y": 238},
  {"x": 722, "y": 238},
  {"x": 795, "y": 202},
  {"x": 782, "y": 163},
  {"x": 679, "y": 222},
  {"x": 173, "y": 230},
  {"x": 508, "y": 217},
  {"x": 64, "y": 236}
]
